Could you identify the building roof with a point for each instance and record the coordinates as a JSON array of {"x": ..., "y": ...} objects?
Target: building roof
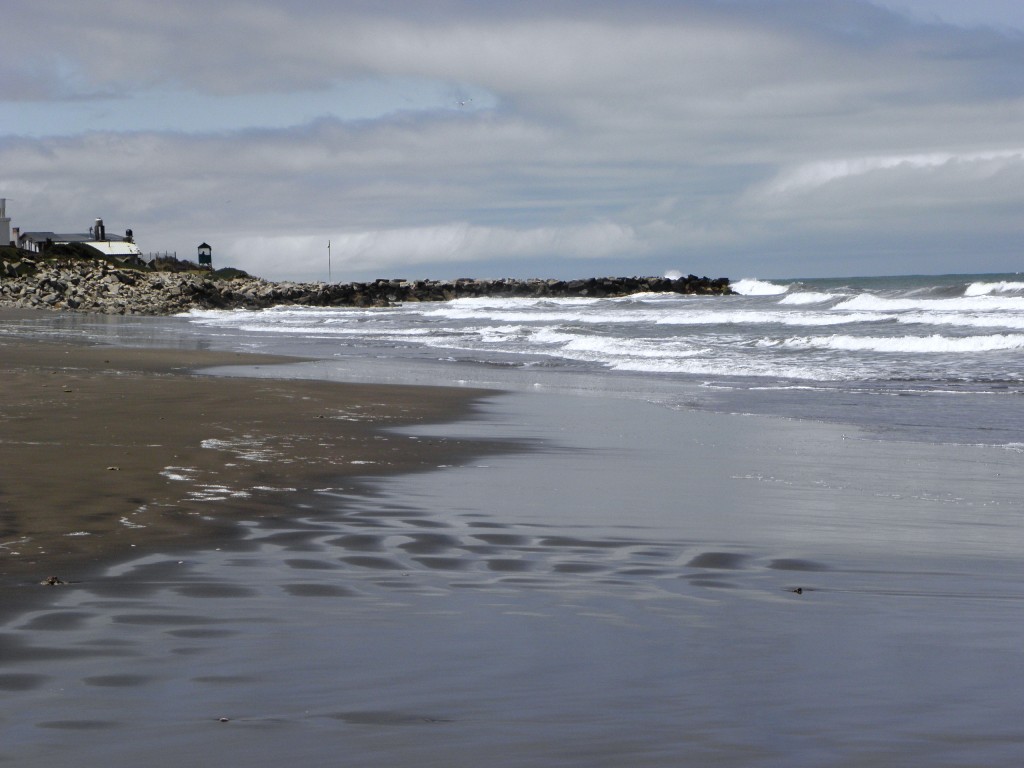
[
  {"x": 77, "y": 237},
  {"x": 114, "y": 245}
]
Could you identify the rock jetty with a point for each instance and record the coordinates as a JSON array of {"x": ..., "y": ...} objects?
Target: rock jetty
[{"x": 86, "y": 285}]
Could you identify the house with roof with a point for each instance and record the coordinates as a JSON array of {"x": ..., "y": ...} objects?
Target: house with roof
[{"x": 120, "y": 247}]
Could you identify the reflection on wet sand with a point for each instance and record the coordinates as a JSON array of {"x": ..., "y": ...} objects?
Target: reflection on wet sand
[{"x": 444, "y": 619}]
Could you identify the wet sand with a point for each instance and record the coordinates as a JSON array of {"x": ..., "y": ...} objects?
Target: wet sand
[
  {"x": 623, "y": 593},
  {"x": 109, "y": 453}
]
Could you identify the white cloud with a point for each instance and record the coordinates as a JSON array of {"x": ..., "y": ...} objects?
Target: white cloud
[
  {"x": 626, "y": 133},
  {"x": 808, "y": 177}
]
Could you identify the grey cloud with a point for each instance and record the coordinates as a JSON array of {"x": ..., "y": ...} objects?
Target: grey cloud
[{"x": 625, "y": 133}]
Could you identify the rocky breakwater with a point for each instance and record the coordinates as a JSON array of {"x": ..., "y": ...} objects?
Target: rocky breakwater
[{"x": 99, "y": 286}]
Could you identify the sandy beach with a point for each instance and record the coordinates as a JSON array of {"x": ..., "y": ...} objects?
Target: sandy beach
[
  {"x": 110, "y": 453},
  {"x": 578, "y": 580}
]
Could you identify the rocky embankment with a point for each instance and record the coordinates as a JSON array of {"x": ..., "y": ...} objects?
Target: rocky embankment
[{"x": 99, "y": 286}]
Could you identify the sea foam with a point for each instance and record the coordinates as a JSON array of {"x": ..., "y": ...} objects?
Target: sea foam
[
  {"x": 851, "y": 330},
  {"x": 750, "y": 286},
  {"x": 905, "y": 344},
  {"x": 806, "y": 297},
  {"x": 1002, "y": 286},
  {"x": 978, "y": 303}
]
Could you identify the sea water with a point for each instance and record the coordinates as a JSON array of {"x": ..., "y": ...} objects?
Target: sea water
[
  {"x": 928, "y": 357},
  {"x": 934, "y": 358},
  {"x": 625, "y": 593},
  {"x": 907, "y": 332}
]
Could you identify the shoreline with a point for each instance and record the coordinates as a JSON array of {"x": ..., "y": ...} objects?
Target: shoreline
[
  {"x": 98, "y": 286},
  {"x": 113, "y": 453},
  {"x": 645, "y": 586}
]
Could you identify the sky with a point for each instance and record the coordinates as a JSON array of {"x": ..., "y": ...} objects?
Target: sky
[{"x": 352, "y": 140}]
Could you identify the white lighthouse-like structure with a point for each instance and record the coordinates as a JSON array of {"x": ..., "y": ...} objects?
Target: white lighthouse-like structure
[{"x": 5, "y": 223}]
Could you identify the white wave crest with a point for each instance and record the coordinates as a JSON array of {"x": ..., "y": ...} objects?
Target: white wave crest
[
  {"x": 498, "y": 316},
  {"x": 984, "y": 289},
  {"x": 750, "y": 286},
  {"x": 806, "y": 297},
  {"x": 903, "y": 344},
  {"x": 979, "y": 303},
  {"x": 609, "y": 350},
  {"x": 965, "y": 320},
  {"x": 718, "y": 317}
]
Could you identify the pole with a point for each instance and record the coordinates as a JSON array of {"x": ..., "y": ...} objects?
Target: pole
[{"x": 329, "y": 279}]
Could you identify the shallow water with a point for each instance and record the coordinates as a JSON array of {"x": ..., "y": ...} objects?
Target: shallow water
[{"x": 621, "y": 596}]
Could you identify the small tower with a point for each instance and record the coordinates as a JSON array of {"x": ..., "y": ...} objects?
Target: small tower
[
  {"x": 205, "y": 255},
  {"x": 5, "y": 223}
]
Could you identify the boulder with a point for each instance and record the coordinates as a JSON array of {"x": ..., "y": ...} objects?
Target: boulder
[{"x": 101, "y": 287}]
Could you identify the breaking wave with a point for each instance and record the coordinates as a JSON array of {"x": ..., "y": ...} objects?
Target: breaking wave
[
  {"x": 749, "y": 286},
  {"x": 1003, "y": 286},
  {"x": 873, "y": 329},
  {"x": 905, "y": 344}
]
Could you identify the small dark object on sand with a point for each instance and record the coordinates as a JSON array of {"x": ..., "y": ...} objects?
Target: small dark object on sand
[
  {"x": 797, "y": 590},
  {"x": 53, "y": 581}
]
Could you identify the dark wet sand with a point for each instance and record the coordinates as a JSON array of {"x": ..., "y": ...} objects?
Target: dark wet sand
[
  {"x": 623, "y": 597},
  {"x": 111, "y": 453},
  {"x": 625, "y": 594}
]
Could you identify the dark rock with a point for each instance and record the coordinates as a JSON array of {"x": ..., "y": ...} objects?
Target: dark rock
[{"x": 96, "y": 286}]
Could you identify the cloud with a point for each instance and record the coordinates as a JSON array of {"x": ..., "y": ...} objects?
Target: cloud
[
  {"x": 184, "y": 111},
  {"x": 810, "y": 176},
  {"x": 998, "y": 14},
  {"x": 897, "y": 187},
  {"x": 475, "y": 134}
]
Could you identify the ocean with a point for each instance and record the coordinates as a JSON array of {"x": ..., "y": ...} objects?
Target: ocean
[
  {"x": 933, "y": 358},
  {"x": 781, "y": 528}
]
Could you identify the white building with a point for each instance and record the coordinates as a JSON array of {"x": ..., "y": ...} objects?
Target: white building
[
  {"x": 5, "y": 223},
  {"x": 118, "y": 246}
]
